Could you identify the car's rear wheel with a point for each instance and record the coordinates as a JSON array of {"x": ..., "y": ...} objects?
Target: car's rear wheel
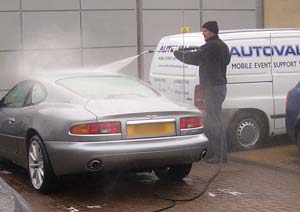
[
  {"x": 247, "y": 130},
  {"x": 298, "y": 142},
  {"x": 42, "y": 177},
  {"x": 175, "y": 172}
]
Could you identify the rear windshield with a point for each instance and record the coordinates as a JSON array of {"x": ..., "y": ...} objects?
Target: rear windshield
[{"x": 104, "y": 87}]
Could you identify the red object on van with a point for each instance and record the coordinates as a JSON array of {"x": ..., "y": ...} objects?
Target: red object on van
[{"x": 199, "y": 97}]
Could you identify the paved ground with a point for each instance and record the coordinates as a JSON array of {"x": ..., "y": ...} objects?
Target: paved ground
[
  {"x": 6, "y": 198},
  {"x": 267, "y": 179},
  {"x": 10, "y": 200}
]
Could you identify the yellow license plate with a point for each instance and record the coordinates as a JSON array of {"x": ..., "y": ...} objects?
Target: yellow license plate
[{"x": 145, "y": 130}]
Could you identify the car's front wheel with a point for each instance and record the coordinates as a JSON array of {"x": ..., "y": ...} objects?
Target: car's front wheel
[
  {"x": 42, "y": 177},
  {"x": 175, "y": 172}
]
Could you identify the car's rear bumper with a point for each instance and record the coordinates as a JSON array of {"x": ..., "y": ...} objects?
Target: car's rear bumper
[{"x": 74, "y": 157}]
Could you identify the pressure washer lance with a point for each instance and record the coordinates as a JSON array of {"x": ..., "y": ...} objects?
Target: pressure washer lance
[
  {"x": 191, "y": 48},
  {"x": 149, "y": 52}
]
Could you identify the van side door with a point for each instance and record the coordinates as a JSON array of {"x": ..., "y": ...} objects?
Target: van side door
[
  {"x": 249, "y": 73},
  {"x": 285, "y": 70}
]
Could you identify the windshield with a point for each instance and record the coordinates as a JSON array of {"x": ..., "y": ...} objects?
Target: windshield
[{"x": 104, "y": 87}]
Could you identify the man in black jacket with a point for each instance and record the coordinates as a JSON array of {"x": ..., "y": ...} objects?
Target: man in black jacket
[{"x": 212, "y": 59}]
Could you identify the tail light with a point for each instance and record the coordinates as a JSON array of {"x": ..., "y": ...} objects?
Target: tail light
[
  {"x": 191, "y": 122},
  {"x": 287, "y": 99},
  {"x": 199, "y": 97},
  {"x": 96, "y": 128}
]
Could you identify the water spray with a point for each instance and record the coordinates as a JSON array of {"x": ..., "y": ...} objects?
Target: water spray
[{"x": 117, "y": 66}]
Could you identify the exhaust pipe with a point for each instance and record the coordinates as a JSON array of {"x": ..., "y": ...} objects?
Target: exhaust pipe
[
  {"x": 94, "y": 165},
  {"x": 203, "y": 154}
]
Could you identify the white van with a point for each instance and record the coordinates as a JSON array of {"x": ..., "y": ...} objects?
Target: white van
[{"x": 264, "y": 65}]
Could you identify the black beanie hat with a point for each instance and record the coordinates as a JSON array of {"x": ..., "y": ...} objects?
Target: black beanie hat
[{"x": 211, "y": 26}]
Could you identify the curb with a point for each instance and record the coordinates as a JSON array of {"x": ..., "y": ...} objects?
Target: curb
[
  {"x": 20, "y": 204},
  {"x": 264, "y": 165}
]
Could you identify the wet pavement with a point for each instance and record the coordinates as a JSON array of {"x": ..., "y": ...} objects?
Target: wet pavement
[
  {"x": 266, "y": 179},
  {"x": 281, "y": 158},
  {"x": 10, "y": 200},
  {"x": 6, "y": 198}
]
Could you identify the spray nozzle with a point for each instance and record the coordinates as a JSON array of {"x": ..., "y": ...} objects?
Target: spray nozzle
[{"x": 147, "y": 52}]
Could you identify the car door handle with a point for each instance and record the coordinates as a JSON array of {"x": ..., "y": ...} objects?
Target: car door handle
[{"x": 11, "y": 120}]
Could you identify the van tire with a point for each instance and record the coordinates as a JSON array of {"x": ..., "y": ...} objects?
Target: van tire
[{"x": 247, "y": 130}]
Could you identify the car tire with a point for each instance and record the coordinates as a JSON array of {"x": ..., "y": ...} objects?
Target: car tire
[
  {"x": 247, "y": 130},
  {"x": 175, "y": 172},
  {"x": 41, "y": 174},
  {"x": 298, "y": 142}
]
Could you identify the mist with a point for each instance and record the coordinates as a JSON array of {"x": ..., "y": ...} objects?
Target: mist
[
  {"x": 119, "y": 65},
  {"x": 48, "y": 54}
]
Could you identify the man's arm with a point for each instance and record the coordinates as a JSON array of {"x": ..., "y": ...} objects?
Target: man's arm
[
  {"x": 190, "y": 58},
  {"x": 193, "y": 57}
]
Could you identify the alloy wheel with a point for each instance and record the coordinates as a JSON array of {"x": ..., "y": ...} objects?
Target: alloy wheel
[{"x": 36, "y": 164}]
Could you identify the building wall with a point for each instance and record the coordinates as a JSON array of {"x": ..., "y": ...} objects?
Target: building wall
[
  {"x": 56, "y": 34},
  {"x": 280, "y": 14},
  {"x": 165, "y": 17}
]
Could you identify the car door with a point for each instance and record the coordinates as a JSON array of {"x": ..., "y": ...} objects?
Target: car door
[{"x": 11, "y": 117}]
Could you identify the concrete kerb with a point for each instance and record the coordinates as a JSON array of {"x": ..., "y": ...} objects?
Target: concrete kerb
[
  {"x": 263, "y": 165},
  {"x": 11, "y": 201}
]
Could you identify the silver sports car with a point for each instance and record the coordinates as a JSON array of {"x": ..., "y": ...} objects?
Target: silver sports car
[{"x": 67, "y": 123}]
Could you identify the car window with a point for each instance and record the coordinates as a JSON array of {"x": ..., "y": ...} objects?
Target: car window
[
  {"x": 38, "y": 93},
  {"x": 17, "y": 96},
  {"x": 102, "y": 87}
]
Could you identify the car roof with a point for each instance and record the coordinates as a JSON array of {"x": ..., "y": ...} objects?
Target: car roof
[{"x": 69, "y": 73}]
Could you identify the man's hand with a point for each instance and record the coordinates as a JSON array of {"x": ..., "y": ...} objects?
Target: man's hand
[{"x": 173, "y": 49}]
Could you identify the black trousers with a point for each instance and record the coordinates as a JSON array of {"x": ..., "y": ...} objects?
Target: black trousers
[{"x": 214, "y": 97}]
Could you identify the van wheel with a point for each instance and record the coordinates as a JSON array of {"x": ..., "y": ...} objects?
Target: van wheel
[
  {"x": 175, "y": 172},
  {"x": 41, "y": 174},
  {"x": 246, "y": 131}
]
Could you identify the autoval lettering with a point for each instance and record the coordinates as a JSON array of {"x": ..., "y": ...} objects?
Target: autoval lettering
[{"x": 267, "y": 51}]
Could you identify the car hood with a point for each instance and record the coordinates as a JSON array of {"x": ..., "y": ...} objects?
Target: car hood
[{"x": 111, "y": 107}]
